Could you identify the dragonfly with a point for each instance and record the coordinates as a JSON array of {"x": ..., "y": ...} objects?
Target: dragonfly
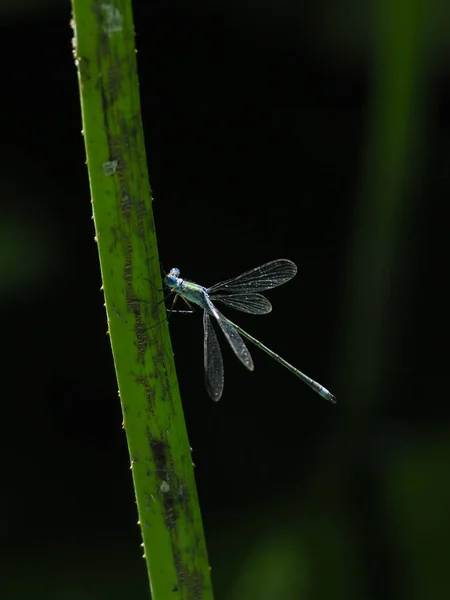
[{"x": 242, "y": 294}]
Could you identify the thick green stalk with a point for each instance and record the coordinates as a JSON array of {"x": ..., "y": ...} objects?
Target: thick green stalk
[{"x": 169, "y": 513}]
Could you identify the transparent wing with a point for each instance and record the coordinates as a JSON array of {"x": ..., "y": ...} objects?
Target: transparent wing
[
  {"x": 212, "y": 356},
  {"x": 265, "y": 277},
  {"x": 255, "y": 304},
  {"x": 234, "y": 339}
]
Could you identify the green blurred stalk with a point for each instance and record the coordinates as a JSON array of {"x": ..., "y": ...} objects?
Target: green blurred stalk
[
  {"x": 379, "y": 253},
  {"x": 169, "y": 513}
]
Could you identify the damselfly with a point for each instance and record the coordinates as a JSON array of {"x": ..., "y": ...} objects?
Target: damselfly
[{"x": 240, "y": 293}]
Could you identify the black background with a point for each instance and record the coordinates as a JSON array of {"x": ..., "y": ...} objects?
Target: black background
[{"x": 257, "y": 122}]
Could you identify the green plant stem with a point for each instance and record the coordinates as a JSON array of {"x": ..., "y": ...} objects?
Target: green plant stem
[{"x": 169, "y": 513}]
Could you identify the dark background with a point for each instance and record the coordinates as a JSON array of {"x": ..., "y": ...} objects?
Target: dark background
[{"x": 317, "y": 132}]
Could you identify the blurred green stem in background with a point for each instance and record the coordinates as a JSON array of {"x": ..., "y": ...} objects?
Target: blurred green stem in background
[
  {"x": 379, "y": 264},
  {"x": 169, "y": 513},
  {"x": 385, "y": 207}
]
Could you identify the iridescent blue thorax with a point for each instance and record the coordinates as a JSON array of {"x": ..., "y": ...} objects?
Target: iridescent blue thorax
[{"x": 189, "y": 290}]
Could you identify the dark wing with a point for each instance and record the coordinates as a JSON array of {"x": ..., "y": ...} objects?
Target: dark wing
[
  {"x": 255, "y": 304},
  {"x": 234, "y": 339},
  {"x": 212, "y": 356},
  {"x": 265, "y": 277}
]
